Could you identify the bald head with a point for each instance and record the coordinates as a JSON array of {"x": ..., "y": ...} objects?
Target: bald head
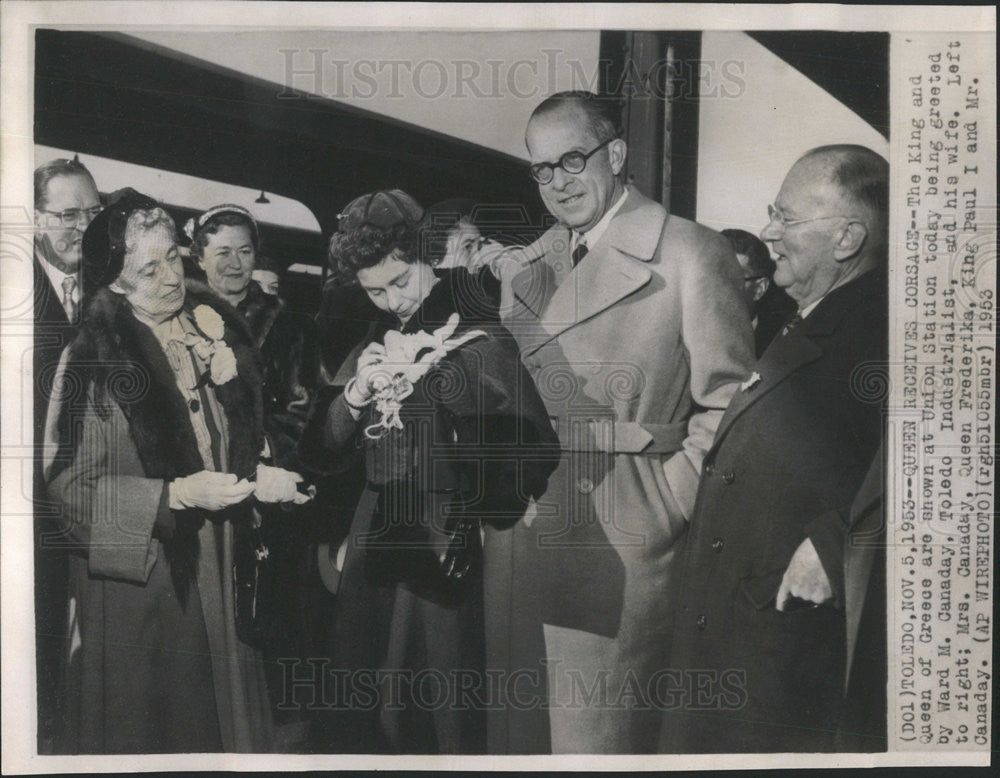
[
  {"x": 828, "y": 224},
  {"x": 861, "y": 177},
  {"x": 600, "y": 115}
]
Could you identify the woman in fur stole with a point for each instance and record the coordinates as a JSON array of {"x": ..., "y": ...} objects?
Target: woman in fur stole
[{"x": 157, "y": 431}]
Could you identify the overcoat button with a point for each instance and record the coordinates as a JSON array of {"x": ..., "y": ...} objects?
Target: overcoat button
[
  {"x": 728, "y": 477},
  {"x": 701, "y": 622},
  {"x": 709, "y": 468},
  {"x": 585, "y": 486}
]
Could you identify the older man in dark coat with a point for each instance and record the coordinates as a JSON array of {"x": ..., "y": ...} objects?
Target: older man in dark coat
[{"x": 760, "y": 622}]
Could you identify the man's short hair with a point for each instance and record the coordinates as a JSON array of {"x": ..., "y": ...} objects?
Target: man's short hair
[
  {"x": 57, "y": 167},
  {"x": 862, "y": 176},
  {"x": 759, "y": 261},
  {"x": 603, "y": 112}
]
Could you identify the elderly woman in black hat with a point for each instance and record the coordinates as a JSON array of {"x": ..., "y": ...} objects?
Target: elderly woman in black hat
[
  {"x": 456, "y": 442},
  {"x": 158, "y": 429}
]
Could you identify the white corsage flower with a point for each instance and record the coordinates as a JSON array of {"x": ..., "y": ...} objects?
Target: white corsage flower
[
  {"x": 223, "y": 364},
  {"x": 221, "y": 359},
  {"x": 401, "y": 352},
  {"x": 209, "y": 322}
]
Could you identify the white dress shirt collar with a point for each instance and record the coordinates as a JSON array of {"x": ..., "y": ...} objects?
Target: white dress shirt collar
[
  {"x": 594, "y": 234},
  {"x": 803, "y": 312}
]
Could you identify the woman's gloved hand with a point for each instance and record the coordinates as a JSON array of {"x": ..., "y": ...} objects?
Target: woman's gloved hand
[
  {"x": 208, "y": 490},
  {"x": 275, "y": 484}
]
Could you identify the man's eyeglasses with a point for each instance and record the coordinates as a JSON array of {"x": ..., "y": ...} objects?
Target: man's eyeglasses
[
  {"x": 572, "y": 162},
  {"x": 774, "y": 215},
  {"x": 71, "y": 217}
]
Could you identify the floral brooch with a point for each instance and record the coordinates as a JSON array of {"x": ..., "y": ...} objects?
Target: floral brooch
[{"x": 220, "y": 357}]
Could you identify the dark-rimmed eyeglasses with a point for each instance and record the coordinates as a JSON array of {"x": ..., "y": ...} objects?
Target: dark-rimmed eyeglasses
[
  {"x": 572, "y": 162},
  {"x": 71, "y": 217}
]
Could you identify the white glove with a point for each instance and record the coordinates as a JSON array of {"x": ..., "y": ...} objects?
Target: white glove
[
  {"x": 208, "y": 490},
  {"x": 275, "y": 484}
]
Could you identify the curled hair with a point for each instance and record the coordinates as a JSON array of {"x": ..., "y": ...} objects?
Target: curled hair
[
  {"x": 214, "y": 223},
  {"x": 603, "y": 112},
  {"x": 142, "y": 222},
  {"x": 57, "y": 167},
  {"x": 368, "y": 245}
]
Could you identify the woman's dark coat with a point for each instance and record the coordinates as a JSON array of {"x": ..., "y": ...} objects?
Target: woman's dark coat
[
  {"x": 477, "y": 439},
  {"x": 154, "y": 661}
]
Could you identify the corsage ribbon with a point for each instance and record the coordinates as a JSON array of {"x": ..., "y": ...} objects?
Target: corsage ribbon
[{"x": 402, "y": 352}]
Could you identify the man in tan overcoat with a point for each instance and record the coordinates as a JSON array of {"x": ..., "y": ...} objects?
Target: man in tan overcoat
[{"x": 632, "y": 324}]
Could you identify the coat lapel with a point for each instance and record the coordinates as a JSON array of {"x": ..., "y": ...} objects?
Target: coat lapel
[
  {"x": 561, "y": 296},
  {"x": 604, "y": 278},
  {"x": 240, "y": 398},
  {"x": 534, "y": 286},
  {"x": 788, "y": 353},
  {"x": 867, "y": 524},
  {"x": 785, "y": 355},
  {"x": 260, "y": 311}
]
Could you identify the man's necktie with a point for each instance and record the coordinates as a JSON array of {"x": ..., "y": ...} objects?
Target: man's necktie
[
  {"x": 69, "y": 304},
  {"x": 792, "y": 323},
  {"x": 579, "y": 253}
]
